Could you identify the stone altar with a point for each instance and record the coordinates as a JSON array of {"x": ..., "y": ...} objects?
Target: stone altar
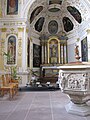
[{"x": 75, "y": 82}]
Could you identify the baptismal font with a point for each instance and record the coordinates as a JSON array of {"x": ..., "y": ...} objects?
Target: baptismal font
[{"x": 75, "y": 82}]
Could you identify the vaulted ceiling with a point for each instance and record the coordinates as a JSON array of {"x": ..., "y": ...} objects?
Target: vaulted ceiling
[{"x": 54, "y": 16}]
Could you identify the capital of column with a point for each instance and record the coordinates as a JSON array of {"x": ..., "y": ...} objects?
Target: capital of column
[
  {"x": 88, "y": 31},
  {"x": 30, "y": 39},
  {"x": 3, "y": 29}
]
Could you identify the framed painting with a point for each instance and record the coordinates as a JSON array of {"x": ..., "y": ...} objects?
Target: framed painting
[
  {"x": 84, "y": 50},
  {"x": 12, "y": 7},
  {"x": 11, "y": 50},
  {"x": 55, "y": 2},
  {"x": 36, "y": 55}
]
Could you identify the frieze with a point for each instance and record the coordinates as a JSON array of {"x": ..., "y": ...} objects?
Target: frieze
[
  {"x": 20, "y": 29},
  {"x": 74, "y": 81},
  {"x": 3, "y": 29}
]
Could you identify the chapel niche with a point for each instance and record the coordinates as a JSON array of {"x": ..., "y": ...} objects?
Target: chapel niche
[{"x": 11, "y": 50}]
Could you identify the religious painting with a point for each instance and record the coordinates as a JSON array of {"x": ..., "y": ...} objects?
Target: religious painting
[
  {"x": 39, "y": 24},
  {"x": 84, "y": 50},
  {"x": 53, "y": 27},
  {"x": 12, "y": 7},
  {"x": 35, "y": 12},
  {"x": 11, "y": 50},
  {"x": 36, "y": 55},
  {"x": 54, "y": 9},
  {"x": 55, "y": 2},
  {"x": 67, "y": 23},
  {"x": 75, "y": 13}
]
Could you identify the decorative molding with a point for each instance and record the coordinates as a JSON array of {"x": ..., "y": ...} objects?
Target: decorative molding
[
  {"x": 88, "y": 31},
  {"x": 12, "y": 29},
  {"x": 27, "y": 30},
  {"x": 11, "y": 34},
  {"x": 3, "y": 29},
  {"x": 19, "y": 46},
  {"x": 20, "y": 29},
  {"x": 78, "y": 39}
]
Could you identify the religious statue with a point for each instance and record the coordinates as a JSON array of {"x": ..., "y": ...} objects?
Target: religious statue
[
  {"x": 53, "y": 51},
  {"x": 77, "y": 53}
]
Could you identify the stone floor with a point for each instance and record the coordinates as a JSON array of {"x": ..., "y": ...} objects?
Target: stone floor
[{"x": 37, "y": 105}]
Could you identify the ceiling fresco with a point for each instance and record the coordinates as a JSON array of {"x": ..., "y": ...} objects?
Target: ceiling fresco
[{"x": 67, "y": 13}]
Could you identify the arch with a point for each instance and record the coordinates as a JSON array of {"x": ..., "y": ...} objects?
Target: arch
[{"x": 26, "y": 8}]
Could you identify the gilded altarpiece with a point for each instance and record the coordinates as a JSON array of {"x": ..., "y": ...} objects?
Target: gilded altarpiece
[
  {"x": 53, "y": 51},
  {"x": 57, "y": 51}
]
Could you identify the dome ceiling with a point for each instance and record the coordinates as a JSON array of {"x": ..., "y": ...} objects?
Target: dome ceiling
[{"x": 53, "y": 16}]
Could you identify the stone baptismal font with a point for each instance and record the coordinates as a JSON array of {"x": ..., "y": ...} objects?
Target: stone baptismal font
[{"x": 75, "y": 82}]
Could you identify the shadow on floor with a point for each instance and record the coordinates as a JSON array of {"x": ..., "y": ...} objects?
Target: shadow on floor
[{"x": 35, "y": 88}]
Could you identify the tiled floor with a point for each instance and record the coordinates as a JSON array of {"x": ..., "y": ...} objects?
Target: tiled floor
[{"x": 46, "y": 105}]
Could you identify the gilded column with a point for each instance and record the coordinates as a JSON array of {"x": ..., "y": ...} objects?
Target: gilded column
[
  {"x": 45, "y": 53},
  {"x": 42, "y": 45}
]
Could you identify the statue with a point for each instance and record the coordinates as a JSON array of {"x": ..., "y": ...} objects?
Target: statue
[
  {"x": 53, "y": 51},
  {"x": 77, "y": 53}
]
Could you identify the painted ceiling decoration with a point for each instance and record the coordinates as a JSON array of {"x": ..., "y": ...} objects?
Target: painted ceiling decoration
[
  {"x": 39, "y": 24},
  {"x": 53, "y": 27},
  {"x": 75, "y": 13},
  {"x": 67, "y": 23},
  {"x": 55, "y": 2},
  {"x": 35, "y": 12},
  {"x": 68, "y": 14},
  {"x": 54, "y": 9}
]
